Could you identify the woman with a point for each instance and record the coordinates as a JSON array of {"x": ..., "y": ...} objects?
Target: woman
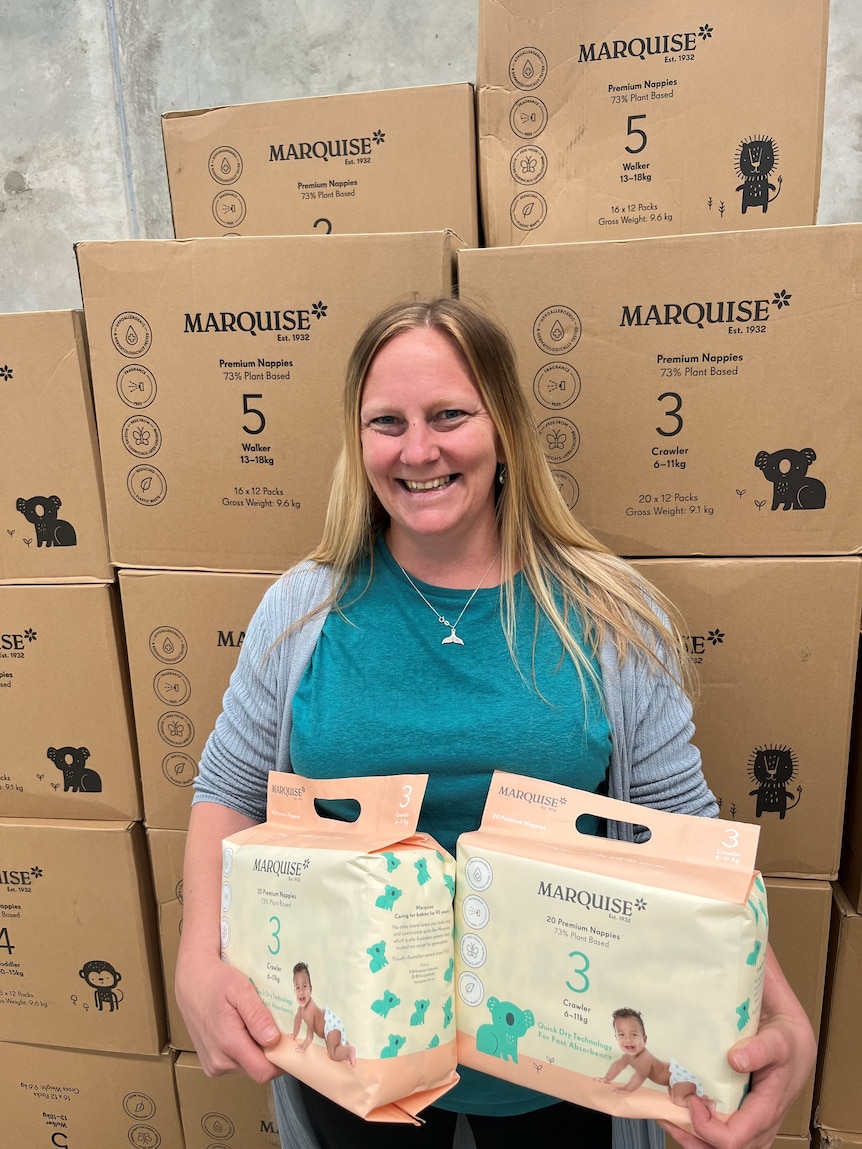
[{"x": 455, "y": 619}]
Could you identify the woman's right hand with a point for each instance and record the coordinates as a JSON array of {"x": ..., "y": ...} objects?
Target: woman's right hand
[{"x": 228, "y": 1023}]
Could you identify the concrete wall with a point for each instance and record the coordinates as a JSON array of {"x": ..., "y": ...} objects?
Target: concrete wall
[{"x": 84, "y": 83}]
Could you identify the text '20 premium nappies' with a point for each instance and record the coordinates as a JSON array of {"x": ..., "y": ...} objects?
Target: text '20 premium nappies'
[
  {"x": 345, "y": 929},
  {"x": 611, "y": 974}
]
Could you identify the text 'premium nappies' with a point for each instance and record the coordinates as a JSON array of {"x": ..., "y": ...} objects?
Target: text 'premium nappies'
[
  {"x": 611, "y": 974},
  {"x": 345, "y": 929}
]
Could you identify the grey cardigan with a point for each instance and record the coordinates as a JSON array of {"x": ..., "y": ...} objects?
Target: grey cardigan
[{"x": 653, "y": 762}]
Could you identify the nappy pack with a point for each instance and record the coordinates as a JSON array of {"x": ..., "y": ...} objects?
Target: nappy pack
[
  {"x": 345, "y": 929},
  {"x": 611, "y": 974}
]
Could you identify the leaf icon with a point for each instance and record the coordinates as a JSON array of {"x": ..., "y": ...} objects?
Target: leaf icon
[
  {"x": 528, "y": 209},
  {"x": 740, "y": 493},
  {"x": 146, "y": 483},
  {"x": 760, "y": 503}
]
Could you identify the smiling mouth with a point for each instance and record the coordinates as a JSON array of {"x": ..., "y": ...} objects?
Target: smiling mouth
[{"x": 429, "y": 485}]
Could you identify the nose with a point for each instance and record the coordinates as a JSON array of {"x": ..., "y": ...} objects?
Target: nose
[{"x": 418, "y": 444}]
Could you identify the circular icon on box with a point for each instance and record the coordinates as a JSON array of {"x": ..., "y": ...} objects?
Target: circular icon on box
[
  {"x": 136, "y": 385},
  {"x": 172, "y": 686},
  {"x": 528, "y": 117},
  {"x": 219, "y": 1125},
  {"x": 560, "y": 439},
  {"x": 226, "y": 899},
  {"x": 168, "y": 644},
  {"x": 470, "y": 989},
  {"x": 528, "y": 164},
  {"x": 147, "y": 485},
  {"x": 145, "y": 1137},
  {"x": 141, "y": 436},
  {"x": 179, "y": 769},
  {"x": 475, "y": 911},
  {"x": 176, "y": 728},
  {"x": 557, "y": 329},
  {"x": 229, "y": 208},
  {"x": 227, "y": 860},
  {"x": 473, "y": 951},
  {"x": 528, "y": 68},
  {"x": 178, "y": 891},
  {"x": 225, "y": 165},
  {"x": 479, "y": 874},
  {"x": 139, "y": 1106},
  {"x": 225, "y": 933},
  {"x": 131, "y": 334},
  {"x": 568, "y": 488},
  {"x": 557, "y": 385},
  {"x": 529, "y": 210}
]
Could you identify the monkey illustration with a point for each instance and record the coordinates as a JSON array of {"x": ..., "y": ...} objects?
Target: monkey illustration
[{"x": 102, "y": 978}]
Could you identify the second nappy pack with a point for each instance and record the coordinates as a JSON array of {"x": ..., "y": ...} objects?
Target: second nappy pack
[
  {"x": 611, "y": 974},
  {"x": 345, "y": 929}
]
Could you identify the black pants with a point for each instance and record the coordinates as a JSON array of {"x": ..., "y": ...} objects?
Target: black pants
[{"x": 559, "y": 1124}]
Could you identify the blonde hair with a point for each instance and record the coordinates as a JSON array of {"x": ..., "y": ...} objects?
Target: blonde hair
[{"x": 565, "y": 567}]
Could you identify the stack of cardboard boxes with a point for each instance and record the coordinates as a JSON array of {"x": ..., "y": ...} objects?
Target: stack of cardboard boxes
[{"x": 693, "y": 393}]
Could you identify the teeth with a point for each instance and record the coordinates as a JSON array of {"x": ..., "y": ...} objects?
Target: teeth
[{"x": 431, "y": 485}]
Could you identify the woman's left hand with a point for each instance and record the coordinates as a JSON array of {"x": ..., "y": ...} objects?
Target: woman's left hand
[{"x": 780, "y": 1057}]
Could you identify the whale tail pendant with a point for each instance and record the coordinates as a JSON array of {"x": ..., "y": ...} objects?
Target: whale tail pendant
[{"x": 453, "y": 637}]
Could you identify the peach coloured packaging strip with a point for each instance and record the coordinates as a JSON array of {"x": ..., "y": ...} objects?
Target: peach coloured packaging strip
[
  {"x": 614, "y": 975},
  {"x": 345, "y": 928}
]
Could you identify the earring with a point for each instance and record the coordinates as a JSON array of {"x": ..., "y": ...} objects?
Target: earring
[{"x": 501, "y": 474}]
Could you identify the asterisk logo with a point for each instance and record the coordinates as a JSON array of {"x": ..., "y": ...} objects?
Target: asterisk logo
[
  {"x": 5, "y": 372},
  {"x": 640, "y": 904},
  {"x": 30, "y": 634},
  {"x": 716, "y": 637},
  {"x": 306, "y": 863},
  {"x": 563, "y": 801},
  {"x": 705, "y": 32},
  {"x": 379, "y": 137},
  {"x": 318, "y": 310},
  {"x": 36, "y": 871},
  {"x": 781, "y": 299}
]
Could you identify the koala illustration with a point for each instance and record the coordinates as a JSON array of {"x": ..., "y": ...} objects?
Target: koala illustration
[
  {"x": 421, "y": 1008},
  {"x": 787, "y": 470},
  {"x": 77, "y": 777},
  {"x": 385, "y": 1003},
  {"x": 41, "y": 511},
  {"x": 395, "y": 1043},
  {"x": 378, "y": 956},
  {"x": 388, "y": 898},
  {"x": 499, "y": 1037},
  {"x": 422, "y": 874},
  {"x": 102, "y": 978}
]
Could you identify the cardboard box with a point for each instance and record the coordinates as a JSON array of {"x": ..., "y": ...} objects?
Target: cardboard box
[
  {"x": 838, "y": 1100},
  {"x": 672, "y": 381},
  {"x": 836, "y": 1139},
  {"x": 218, "y": 450},
  {"x": 78, "y": 945},
  {"x": 801, "y": 909},
  {"x": 397, "y": 160},
  {"x": 65, "y": 1098},
  {"x": 184, "y": 631},
  {"x": 851, "y": 846},
  {"x": 52, "y": 521},
  {"x": 603, "y": 120},
  {"x": 233, "y": 1109},
  {"x": 68, "y": 746},
  {"x": 167, "y": 853},
  {"x": 774, "y": 642}
]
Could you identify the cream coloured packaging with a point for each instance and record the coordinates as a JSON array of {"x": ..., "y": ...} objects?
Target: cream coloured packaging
[
  {"x": 557, "y": 930},
  {"x": 364, "y": 910}
]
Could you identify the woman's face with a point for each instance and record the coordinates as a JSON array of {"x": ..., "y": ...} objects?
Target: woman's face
[{"x": 430, "y": 448}]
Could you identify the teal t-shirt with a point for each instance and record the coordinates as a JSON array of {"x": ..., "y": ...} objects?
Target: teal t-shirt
[{"x": 383, "y": 695}]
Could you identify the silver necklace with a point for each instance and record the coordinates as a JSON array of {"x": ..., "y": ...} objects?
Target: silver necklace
[{"x": 452, "y": 637}]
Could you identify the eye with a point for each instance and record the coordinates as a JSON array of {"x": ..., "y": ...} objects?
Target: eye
[
  {"x": 450, "y": 415},
  {"x": 387, "y": 424}
]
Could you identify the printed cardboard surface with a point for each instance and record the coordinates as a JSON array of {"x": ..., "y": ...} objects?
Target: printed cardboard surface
[
  {"x": 605, "y": 120},
  {"x": 78, "y": 945},
  {"x": 217, "y": 372},
  {"x": 65, "y": 711},
  {"x": 167, "y": 853},
  {"x": 397, "y": 160},
  {"x": 558, "y": 931},
  {"x": 774, "y": 642},
  {"x": 672, "y": 384},
  {"x": 799, "y": 914},
  {"x": 838, "y": 1102},
  {"x": 52, "y": 510},
  {"x": 231, "y": 1110},
  {"x": 367, "y": 1014},
  {"x": 183, "y": 632},
  {"x": 67, "y": 1098}
]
